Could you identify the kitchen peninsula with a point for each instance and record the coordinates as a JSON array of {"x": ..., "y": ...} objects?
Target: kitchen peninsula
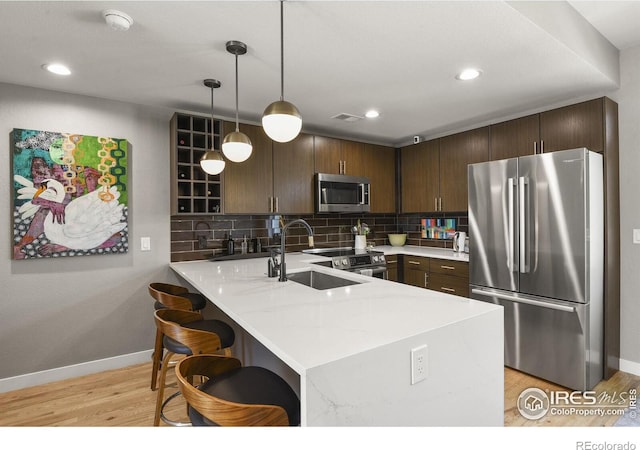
[{"x": 351, "y": 346}]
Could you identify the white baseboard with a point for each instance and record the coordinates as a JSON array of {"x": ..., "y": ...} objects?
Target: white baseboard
[
  {"x": 630, "y": 367},
  {"x": 76, "y": 370}
]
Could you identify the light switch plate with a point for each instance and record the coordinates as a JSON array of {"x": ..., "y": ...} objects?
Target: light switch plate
[
  {"x": 145, "y": 244},
  {"x": 636, "y": 236}
]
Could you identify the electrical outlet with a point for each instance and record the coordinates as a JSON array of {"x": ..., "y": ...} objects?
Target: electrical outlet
[
  {"x": 636, "y": 236},
  {"x": 419, "y": 365}
]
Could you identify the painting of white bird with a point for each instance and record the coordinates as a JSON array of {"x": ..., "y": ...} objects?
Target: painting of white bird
[
  {"x": 68, "y": 195},
  {"x": 86, "y": 222}
]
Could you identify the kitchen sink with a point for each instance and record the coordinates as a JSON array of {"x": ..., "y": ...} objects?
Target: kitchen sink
[{"x": 320, "y": 280}]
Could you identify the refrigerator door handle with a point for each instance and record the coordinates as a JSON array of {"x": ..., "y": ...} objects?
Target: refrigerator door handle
[
  {"x": 525, "y": 251},
  {"x": 527, "y": 301},
  {"x": 511, "y": 182}
]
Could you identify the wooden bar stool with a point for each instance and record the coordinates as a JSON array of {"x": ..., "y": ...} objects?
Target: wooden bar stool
[
  {"x": 234, "y": 395},
  {"x": 171, "y": 296},
  {"x": 187, "y": 333}
]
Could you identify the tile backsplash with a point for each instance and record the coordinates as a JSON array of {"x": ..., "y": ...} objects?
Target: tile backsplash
[{"x": 196, "y": 237}]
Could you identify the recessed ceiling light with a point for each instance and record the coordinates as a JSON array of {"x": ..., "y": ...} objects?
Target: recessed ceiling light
[
  {"x": 58, "y": 69},
  {"x": 468, "y": 74},
  {"x": 372, "y": 114}
]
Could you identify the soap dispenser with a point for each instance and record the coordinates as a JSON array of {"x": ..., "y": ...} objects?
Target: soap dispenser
[{"x": 230, "y": 246}]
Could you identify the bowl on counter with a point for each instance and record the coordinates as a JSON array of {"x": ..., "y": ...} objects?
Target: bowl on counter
[{"x": 397, "y": 240}]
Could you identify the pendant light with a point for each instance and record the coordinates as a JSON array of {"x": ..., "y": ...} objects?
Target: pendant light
[
  {"x": 236, "y": 145},
  {"x": 281, "y": 120},
  {"x": 212, "y": 161}
]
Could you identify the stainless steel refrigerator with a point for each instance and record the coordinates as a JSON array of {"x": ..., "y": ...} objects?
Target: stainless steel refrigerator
[{"x": 536, "y": 230}]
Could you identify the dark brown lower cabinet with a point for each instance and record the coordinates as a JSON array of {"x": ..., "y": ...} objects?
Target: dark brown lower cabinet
[
  {"x": 392, "y": 268},
  {"x": 451, "y": 277},
  {"x": 416, "y": 270}
]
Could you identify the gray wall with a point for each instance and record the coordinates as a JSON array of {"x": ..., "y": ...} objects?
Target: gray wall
[
  {"x": 55, "y": 313},
  {"x": 628, "y": 98}
]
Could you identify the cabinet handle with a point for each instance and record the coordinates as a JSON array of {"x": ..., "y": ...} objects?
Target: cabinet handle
[
  {"x": 277, "y": 204},
  {"x": 344, "y": 167},
  {"x": 414, "y": 262},
  {"x": 439, "y": 203},
  {"x": 426, "y": 279},
  {"x": 435, "y": 203},
  {"x": 270, "y": 204},
  {"x": 541, "y": 146},
  {"x": 391, "y": 262},
  {"x": 535, "y": 148},
  {"x": 448, "y": 267},
  {"x": 447, "y": 289}
]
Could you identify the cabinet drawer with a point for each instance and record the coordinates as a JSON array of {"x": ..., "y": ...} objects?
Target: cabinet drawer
[
  {"x": 393, "y": 260},
  {"x": 416, "y": 263},
  {"x": 449, "y": 284},
  {"x": 446, "y": 267}
]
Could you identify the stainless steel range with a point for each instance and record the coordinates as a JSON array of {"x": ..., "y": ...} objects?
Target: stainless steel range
[{"x": 371, "y": 263}]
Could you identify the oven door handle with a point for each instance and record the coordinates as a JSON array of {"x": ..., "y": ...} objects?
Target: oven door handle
[{"x": 374, "y": 271}]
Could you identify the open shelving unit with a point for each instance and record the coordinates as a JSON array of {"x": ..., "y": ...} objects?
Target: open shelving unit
[{"x": 192, "y": 190}]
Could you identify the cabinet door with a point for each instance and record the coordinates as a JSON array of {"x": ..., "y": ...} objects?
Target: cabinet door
[
  {"x": 392, "y": 268},
  {"x": 416, "y": 271},
  {"x": 574, "y": 126},
  {"x": 518, "y": 137},
  {"x": 353, "y": 158},
  {"x": 449, "y": 284},
  {"x": 327, "y": 154},
  {"x": 420, "y": 176},
  {"x": 248, "y": 185},
  {"x": 456, "y": 152},
  {"x": 415, "y": 277},
  {"x": 293, "y": 175},
  {"x": 380, "y": 167}
]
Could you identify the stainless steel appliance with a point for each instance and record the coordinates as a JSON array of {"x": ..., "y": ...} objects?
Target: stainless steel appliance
[
  {"x": 341, "y": 193},
  {"x": 537, "y": 249},
  {"x": 365, "y": 262}
]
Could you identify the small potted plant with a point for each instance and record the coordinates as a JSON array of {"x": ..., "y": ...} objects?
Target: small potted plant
[{"x": 361, "y": 230}]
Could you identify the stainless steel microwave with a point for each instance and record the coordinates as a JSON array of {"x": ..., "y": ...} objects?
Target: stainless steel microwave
[{"x": 341, "y": 193}]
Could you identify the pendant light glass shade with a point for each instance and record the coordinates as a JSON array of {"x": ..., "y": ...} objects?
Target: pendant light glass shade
[
  {"x": 281, "y": 120},
  {"x": 212, "y": 161},
  {"x": 236, "y": 145}
]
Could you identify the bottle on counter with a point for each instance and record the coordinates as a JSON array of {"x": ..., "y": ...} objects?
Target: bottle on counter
[
  {"x": 244, "y": 245},
  {"x": 230, "y": 245},
  {"x": 257, "y": 246}
]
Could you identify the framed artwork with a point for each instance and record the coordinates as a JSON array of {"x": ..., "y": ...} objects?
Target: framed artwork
[{"x": 69, "y": 194}]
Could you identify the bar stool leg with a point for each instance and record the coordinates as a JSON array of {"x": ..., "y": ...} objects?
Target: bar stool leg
[
  {"x": 162, "y": 382},
  {"x": 157, "y": 357}
]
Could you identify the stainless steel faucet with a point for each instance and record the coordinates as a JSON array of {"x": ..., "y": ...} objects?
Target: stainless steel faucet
[{"x": 282, "y": 266}]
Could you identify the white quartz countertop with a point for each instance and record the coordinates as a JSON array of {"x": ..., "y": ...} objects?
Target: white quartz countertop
[
  {"x": 307, "y": 328},
  {"x": 429, "y": 252}
]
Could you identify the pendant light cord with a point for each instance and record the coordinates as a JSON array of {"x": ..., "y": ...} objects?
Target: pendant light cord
[
  {"x": 237, "y": 124},
  {"x": 212, "y": 139},
  {"x": 281, "y": 50}
]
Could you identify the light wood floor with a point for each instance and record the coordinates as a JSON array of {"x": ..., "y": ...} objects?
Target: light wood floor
[{"x": 122, "y": 398}]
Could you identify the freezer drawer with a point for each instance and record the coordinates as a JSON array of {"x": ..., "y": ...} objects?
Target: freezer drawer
[{"x": 557, "y": 341}]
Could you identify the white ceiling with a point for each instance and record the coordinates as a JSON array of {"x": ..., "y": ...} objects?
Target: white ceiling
[{"x": 399, "y": 57}]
